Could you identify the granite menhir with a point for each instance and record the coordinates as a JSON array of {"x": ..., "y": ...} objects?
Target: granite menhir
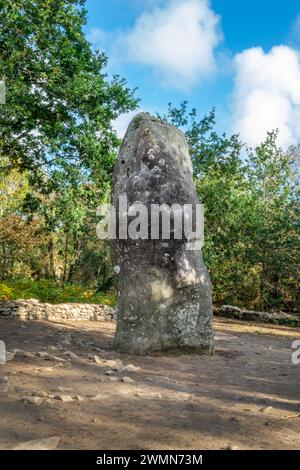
[{"x": 164, "y": 289}]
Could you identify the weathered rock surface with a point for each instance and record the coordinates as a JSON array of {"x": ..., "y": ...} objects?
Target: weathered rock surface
[
  {"x": 48, "y": 443},
  {"x": 164, "y": 290},
  {"x": 131, "y": 368},
  {"x": 4, "y": 384},
  {"x": 33, "y": 400},
  {"x": 127, "y": 380},
  {"x": 64, "y": 398}
]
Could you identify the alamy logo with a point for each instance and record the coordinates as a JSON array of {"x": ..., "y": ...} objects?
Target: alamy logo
[
  {"x": 2, "y": 353},
  {"x": 153, "y": 222},
  {"x": 296, "y": 354}
]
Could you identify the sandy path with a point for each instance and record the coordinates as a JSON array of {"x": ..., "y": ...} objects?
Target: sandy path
[{"x": 183, "y": 402}]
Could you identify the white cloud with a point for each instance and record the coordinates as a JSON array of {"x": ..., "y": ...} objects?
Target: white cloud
[
  {"x": 177, "y": 41},
  {"x": 267, "y": 94},
  {"x": 122, "y": 122}
]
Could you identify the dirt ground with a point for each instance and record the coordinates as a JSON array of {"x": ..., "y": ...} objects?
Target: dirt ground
[{"x": 175, "y": 402}]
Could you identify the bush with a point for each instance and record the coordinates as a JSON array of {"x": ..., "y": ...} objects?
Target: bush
[{"x": 50, "y": 291}]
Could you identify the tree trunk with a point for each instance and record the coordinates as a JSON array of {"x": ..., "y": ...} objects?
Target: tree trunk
[{"x": 51, "y": 246}]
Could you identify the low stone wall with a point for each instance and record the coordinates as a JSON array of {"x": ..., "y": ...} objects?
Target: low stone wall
[
  {"x": 34, "y": 310},
  {"x": 277, "y": 318}
]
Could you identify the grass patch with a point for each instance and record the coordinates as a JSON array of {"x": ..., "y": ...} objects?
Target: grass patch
[{"x": 46, "y": 290}]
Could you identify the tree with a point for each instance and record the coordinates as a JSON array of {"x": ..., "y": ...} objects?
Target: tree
[
  {"x": 22, "y": 245},
  {"x": 274, "y": 220},
  {"x": 56, "y": 124},
  {"x": 13, "y": 189},
  {"x": 59, "y": 102},
  {"x": 251, "y": 199}
]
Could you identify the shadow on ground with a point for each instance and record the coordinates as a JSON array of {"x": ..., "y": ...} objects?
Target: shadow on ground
[{"x": 183, "y": 401}]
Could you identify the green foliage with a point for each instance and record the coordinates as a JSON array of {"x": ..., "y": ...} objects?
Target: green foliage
[
  {"x": 59, "y": 102},
  {"x": 57, "y": 150},
  {"x": 50, "y": 291},
  {"x": 21, "y": 245},
  {"x": 13, "y": 189},
  {"x": 56, "y": 137},
  {"x": 252, "y": 228}
]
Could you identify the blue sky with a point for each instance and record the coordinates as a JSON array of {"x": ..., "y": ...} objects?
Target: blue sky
[{"x": 241, "y": 57}]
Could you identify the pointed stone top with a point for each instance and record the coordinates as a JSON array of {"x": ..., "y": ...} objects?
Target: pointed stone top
[{"x": 146, "y": 119}]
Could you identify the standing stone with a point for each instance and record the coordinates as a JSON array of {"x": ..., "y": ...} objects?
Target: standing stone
[{"x": 164, "y": 290}]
